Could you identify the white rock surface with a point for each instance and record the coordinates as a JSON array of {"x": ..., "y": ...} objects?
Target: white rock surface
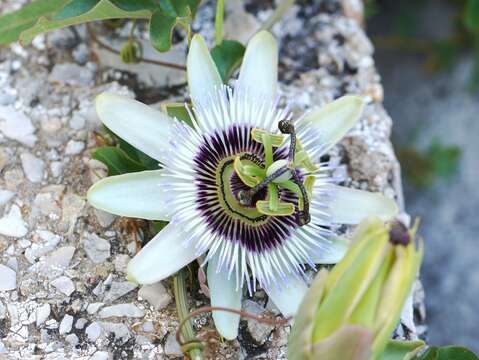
[
  {"x": 93, "y": 331},
  {"x": 119, "y": 310},
  {"x": 155, "y": 294},
  {"x": 100, "y": 355},
  {"x": 172, "y": 348},
  {"x": 94, "y": 307},
  {"x": 66, "y": 324},
  {"x": 64, "y": 284},
  {"x": 17, "y": 126},
  {"x": 71, "y": 74},
  {"x": 97, "y": 249},
  {"x": 5, "y": 196},
  {"x": 74, "y": 147},
  {"x": 72, "y": 339},
  {"x": 117, "y": 289},
  {"x": 43, "y": 312},
  {"x": 33, "y": 167},
  {"x": 12, "y": 224},
  {"x": 8, "y": 278},
  {"x": 36, "y": 250}
]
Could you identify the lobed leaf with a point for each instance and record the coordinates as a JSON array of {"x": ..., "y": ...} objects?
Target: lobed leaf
[
  {"x": 12, "y": 24},
  {"x": 103, "y": 10},
  {"x": 75, "y": 8},
  {"x": 227, "y": 57}
]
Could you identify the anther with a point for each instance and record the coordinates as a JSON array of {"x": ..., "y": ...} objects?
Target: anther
[
  {"x": 286, "y": 126},
  {"x": 245, "y": 197},
  {"x": 399, "y": 234}
]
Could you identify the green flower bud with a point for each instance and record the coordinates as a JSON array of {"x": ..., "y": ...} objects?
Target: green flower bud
[
  {"x": 351, "y": 311},
  {"x": 132, "y": 52}
]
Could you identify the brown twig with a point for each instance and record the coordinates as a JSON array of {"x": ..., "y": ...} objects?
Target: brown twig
[
  {"x": 201, "y": 310},
  {"x": 105, "y": 46}
]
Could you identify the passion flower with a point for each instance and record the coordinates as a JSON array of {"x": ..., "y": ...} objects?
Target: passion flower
[{"x": 243, "y": 187}]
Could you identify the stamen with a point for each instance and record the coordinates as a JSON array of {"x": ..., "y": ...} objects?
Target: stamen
[{"x": 245, "y": 197}]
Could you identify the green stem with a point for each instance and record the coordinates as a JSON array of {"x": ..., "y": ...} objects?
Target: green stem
[
  {"x": 277, "y": 14},
  {"x": 181, "y": 299},
  {"x": 219, "y": 19}
]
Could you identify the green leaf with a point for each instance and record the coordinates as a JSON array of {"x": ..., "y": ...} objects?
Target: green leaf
[
  {"x": 168, "y": 15},
  {"x": 102, "y": 11},
  {"x": 444, "y": 159},
  {"x": 117, "y": 161},
  {"x": 161, "y": 30},
  {"x": 455, "y": 353},
  {"x": 12, "y": 24},
  {"x": 135, "y": 5},
  {"x": 178, "y": 111},
  {"x": 182, "y": 8},
  {"x": 133, "y": 153},
  {"x": 401, "y": 350},
  {"x": 471, "y": 15},
  {"x": 447, "y": 353},
  {"x": 228, "y": 57},
  {"x": 158, "y": 225},
  {"x": 75, "y": 8}
]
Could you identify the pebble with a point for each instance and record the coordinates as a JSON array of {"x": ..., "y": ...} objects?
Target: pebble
[
  {"x": 17, "y": 126},
  {"x": 94, "y": 307},
  {"x": 66, "y": 324},
  {"x": 96, "y": 248},
  {"x": 121, "y": 263},
  {"x": 12, "y": 224},
  {"x": 117, "y": 289},
  {"x": 77, "y": 122},
  {"x": 5, "y": 196},
  {"x": 43, "y": 312},
  {"x": 172, "y": 347},
  {"x": 33, "y": 167},
  {"x": 74, "y": 147},
  {"x": 156, "y": 295},
  {"x": 72, "y": 74},
  {"x": 64, "y": 284},
  {"x": 8, "y": 278},
  {"x": 2, "y": 311},
  {"x": 120, "y": 331},
  {"x": 93, "y": 331},
  {"x": 60, "y": 258},
  {"x": 80, "y": 324},
  {"x": 104, "y": 218},
  {"x": 100, "y": 355},
  {"x": 81, "y": 54},
  {"x": 50, "y": 241},
  {"x": 56, "y": 167},
  {"x": 259, "y": 332},
  {"x": 128, "y": 310},
  {"x": 72, "y": 339}
]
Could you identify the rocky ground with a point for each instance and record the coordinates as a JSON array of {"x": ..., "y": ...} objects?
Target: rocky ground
[{"x": 63, "y": 292}]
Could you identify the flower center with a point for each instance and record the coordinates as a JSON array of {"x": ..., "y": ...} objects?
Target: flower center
[{"x": 276, "y": 175}]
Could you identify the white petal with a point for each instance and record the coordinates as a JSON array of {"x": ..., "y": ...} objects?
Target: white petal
[
  {"x": 259, "y": 71},
  {"x": 138, "y": 195},
  {"x": 350, "y": 206},
  {"x": 331, "y": 123},
  {"x": 288, "y": 297},
  {"x": 203, "y": 76},
  {"x": 161, "y": 257},
  {"x": 140, "y": 125},
  {"x": 223, "y": 293},
  {"x": 331, "y": 253}
]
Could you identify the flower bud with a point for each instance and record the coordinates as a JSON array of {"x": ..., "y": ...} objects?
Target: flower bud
[{"x": 351, "y": 311}]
